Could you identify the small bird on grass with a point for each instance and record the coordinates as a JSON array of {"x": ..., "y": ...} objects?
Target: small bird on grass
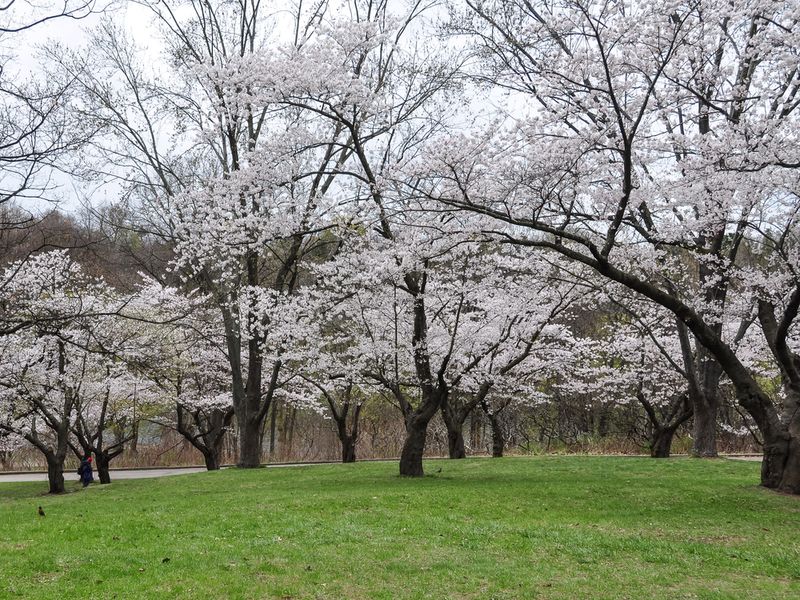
[{"x": 41, "y": 512}]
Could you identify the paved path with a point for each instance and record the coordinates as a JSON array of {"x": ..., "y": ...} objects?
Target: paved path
[
  {"x": 137, "y": 473},
  {"x": 124, "y": 474}
]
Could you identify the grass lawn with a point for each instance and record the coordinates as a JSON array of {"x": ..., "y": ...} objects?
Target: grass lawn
[{"x": 544, "y": 527}]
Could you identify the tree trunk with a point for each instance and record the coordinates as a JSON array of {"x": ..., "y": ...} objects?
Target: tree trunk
[
  {"x": 288, "y": 427},
  {"x": 414, "y": 447},
  {"x": 455, "y": 442},
  {"x": 211, "y": 457},
  {"x": 475, "y": 427},
  {"x": 55, "y": 474},
  {"x": 249, "y": 443},
  {"x": 348, "y": 449},
  {"x": 704, "y": 434},
  {"x": 273, "y": 422},
  {"x": 661, "y": 442},
  {"x": 454, "y": 421},
  {"x": 498, "y": 437},
  {"x": 454, "y": 417},
  {"x": 134, "y": 447},
  {"x": 780, "y": 466},
  {"x": 103, "y": 466}
]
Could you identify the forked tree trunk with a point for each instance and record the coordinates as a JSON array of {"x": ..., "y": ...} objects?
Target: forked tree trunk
[
  {"x": 454, "y": 422},
  {"x": 205, "y": 431},
  {"x": 661, "y": 442}
]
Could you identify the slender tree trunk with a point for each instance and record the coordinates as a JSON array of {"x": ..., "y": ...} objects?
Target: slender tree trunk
[
  {"x": 273, "y": 424},
  {"x": 289, "y": 429},
  {"x": 134, "y": 446},
  {"x": 475, "y": 426},
  {"x": 55, "y": 473},
  {"x": 498, "y": 437}
]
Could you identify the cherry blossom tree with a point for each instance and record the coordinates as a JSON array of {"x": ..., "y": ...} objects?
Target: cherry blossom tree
[
  {"x": 107, "y": 397},
  {"x": 167, "y": 341},
  {"x": 243, "y": 199},
  {"x": 49, "y": 305},
  {"x": 657, "y": 149},
  {"x": 640, "y": 356},
  {"x": 327, "y": 359},
  {"x": 466, "y": 331}
]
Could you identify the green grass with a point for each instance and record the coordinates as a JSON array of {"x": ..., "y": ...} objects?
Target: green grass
[{"x": 545, "y": 527}]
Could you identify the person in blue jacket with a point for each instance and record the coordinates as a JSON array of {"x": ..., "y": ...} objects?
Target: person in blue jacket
[{"x": 85, "y": 470}]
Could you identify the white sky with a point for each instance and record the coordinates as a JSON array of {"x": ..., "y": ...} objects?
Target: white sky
[
  {"x": 21, "y": 51},
  {"x": 24, "y": 60}
]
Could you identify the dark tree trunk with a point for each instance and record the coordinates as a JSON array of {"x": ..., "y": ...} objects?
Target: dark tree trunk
[
  {"x": 346, "y": 416},
  {"x": 288, "y": 428},
  {"x": 211, "y": 457},
  {"x": 780, "y": 466},
  {"x": 205, "y": 430},
  {"x": 348, "y": 449},
  {"x": 705, "y": 404},
  {"x": 414, "y": 447},
  {"x": 704, "y": 434},
  {"x": 249, "y": 443},
  {"x": 475, "y": 429},
  {"x": 454, "y": 421},
  {"x": 455, "y": 443},
  {"x": 790, "y": 482},
  {"x": 134, "y": 446},
  {"x": 103, "y": 466},
  {"x": 273, "y": 425},
  {"x": 661, "y": 442},
  {"x": 498, "y": 437},
  {"x": 55, "y": 473}
]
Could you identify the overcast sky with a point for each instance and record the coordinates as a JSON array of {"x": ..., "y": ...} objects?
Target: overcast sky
[{"x": 21, "y": 51}]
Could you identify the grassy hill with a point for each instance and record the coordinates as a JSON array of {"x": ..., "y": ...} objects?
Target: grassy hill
[{"x": 544, "y": 527}]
